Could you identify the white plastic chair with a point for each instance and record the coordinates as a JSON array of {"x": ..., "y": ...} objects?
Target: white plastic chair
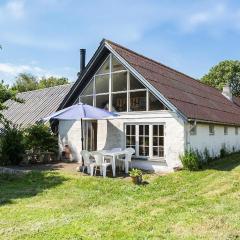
[
  {"x": 128, "y": 152},
  {"x": 99, "y": 163},
  {"x": 87, "y": 161}
]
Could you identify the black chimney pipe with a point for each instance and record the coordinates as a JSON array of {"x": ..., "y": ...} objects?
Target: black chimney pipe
[{"x": 82, "y": 59}]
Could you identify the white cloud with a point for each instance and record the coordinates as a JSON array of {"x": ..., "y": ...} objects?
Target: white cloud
[
  {"x": 9, "y": 71},
  {"x": 13, "y": 9},
  {"x": 217, "y": 17}
]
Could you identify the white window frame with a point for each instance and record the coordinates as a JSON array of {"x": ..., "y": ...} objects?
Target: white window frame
[
  {"x": 211, "y": 133},
  {"x": 110, "y": 92},
  {"x": 236, "y": 130},
  {"x": 150, "y": 157},
  {"x": 225, "y": 130}
]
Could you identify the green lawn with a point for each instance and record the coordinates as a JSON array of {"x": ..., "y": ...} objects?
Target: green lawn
[{"x": 182, "y": 205}]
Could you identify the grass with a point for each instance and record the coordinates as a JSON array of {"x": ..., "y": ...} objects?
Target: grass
[{"x": 182, "y": 205}]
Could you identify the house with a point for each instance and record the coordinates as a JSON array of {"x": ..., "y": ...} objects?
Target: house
[
  {"x": 36, "y": 105},
  {"x": 162, "y": 111}
]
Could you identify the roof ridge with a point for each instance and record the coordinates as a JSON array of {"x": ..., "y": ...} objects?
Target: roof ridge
[
  {"x": 41, "y": 89},
  {"x": 163, "y": 65}
]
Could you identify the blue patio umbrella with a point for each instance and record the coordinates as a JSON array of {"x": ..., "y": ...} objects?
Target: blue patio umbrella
[{"x": 80, "y": 111}]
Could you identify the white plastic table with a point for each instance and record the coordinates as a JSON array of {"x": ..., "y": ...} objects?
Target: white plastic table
[{"x": 113, "y": 154}]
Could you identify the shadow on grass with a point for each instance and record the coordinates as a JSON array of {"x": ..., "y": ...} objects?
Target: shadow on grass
[
  {"x": 15, "y": 187},
  {"x": 227, "y": 163}
]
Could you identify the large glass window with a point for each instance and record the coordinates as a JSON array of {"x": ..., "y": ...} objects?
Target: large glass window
[
  {"x": 102, "y": 83},
  {"x": 135, "y": 84},
  {"x": 119, "y": 102},
  {"x": 146, "y": 139},
  {"x": 89, "y": 89},
  {"x": 105, "y": 68},
  {"x": 102, "y": 101},
  {"x": 116, "y": 65},
  {"x": 138, "y": 101},
  {"x": 87, "y": 100},
  {"x": 119, "y": 81},
  {"x": 121, "y": 87},
  {"x": 155, "y": 104}
]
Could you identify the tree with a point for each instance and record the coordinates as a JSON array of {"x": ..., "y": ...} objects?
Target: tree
[
  {"x": 6, "y": 93},
  {"x": 227, "y": 71},
  {"x": 25, "y": 82},
  {"x": 51, "y": 82}
]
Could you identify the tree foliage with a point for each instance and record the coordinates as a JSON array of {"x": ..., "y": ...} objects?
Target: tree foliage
[
  {"x": 12, "y": 147},
  {"x": 28, "y": 82},
  {"x": 25, "y": 82},
  {"x": 39, "y": 138},
  {"x": 224, "y": 72},
  {"x": 5, "y": 94}
]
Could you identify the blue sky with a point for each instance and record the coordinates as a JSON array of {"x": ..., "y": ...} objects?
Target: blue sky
[{"x": 43, "y": 37}]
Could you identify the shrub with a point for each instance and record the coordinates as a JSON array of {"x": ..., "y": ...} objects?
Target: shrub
[
  {"x": 12, "y": 146},
  {"x": 39, "y": 138},
  {"x": 206, "y": 155},
  {"x": 135, "y": 172},
  {"x": 190, "y": 160},
  {"x": 223, "y": 151}
]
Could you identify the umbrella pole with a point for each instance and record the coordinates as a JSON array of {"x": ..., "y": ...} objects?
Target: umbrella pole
[{"x": 82, "y": 141}]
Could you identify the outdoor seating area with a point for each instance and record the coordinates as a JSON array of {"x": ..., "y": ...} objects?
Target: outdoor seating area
[{"x": 104, "y": 160}]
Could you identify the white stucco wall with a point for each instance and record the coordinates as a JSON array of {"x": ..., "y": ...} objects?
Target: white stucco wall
[
  {"x": 111, "y": 135},
  {"x": 214, "y": 142},
  {"x": 70, "y": 134}
]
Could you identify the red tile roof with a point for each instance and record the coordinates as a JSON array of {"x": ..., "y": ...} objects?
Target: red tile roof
[{"x": 191, "y": 97}]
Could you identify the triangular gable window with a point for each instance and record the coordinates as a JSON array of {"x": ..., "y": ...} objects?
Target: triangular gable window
[
  {"x": 116, "y": 65},
  {"x": 105, "y": 68},
  {"x": 119, "y": 90}
]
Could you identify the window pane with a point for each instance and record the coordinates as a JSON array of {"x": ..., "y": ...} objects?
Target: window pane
[
  {"x": 128, "y": 140},
  {"x": 155, "y": 141},
  {"x": 135, "y": 84},
  {"x": 161, "y": 141},
  {"x": 89, "y": 89},
  {"x": 87, "y": 100},
  {"x": 161, "y": 130},
  {"x": 133, "y": 129},
  {"x": 102, "y": 83},
  {"x": 116, "y": 65},
  {"x": 154, "y": 103},
  {"x": 155, "y": 130},
  {"x": 119, "y": 102},
  {"x": 128, "y": 129},
  {"x": 119, "y": 81},
  {"x": 102, "y": 101},
  {"x": 105, "y": 68},
  {"x": 146, "y": 130},
  {"x": 161, "y": 152},
  {"x": 141, "y": 130},
  {"x": 143, "y": 151},
  {"x": 138, "y": 101},
  {"x": 155, "y": 151}
]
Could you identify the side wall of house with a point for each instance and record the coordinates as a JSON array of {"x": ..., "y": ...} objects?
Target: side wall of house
[
  {"x": 215, "y": 142},
  {"x": 111, "y": 134},
  {"x": 70, "y": 134}
]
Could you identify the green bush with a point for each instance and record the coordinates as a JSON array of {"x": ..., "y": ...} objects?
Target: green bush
[
  {"x": 223, "y": 151},
  {"x": 206, "y": 155},
  {"x": 12, "y": 146},
  {"x": 39, "y": 138},
  {"x": 190, "y": 160}
]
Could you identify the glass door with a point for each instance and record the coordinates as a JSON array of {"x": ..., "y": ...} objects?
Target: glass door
[{"x": 90, "y": 135}]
